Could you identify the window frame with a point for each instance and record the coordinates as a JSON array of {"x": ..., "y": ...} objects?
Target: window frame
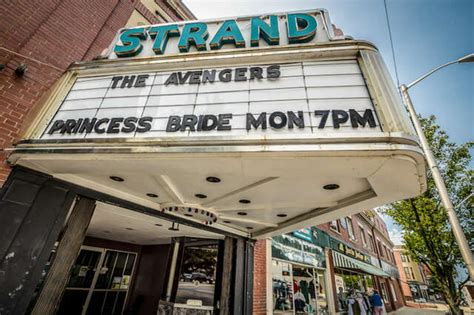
[{"x": 350, "y": 228}]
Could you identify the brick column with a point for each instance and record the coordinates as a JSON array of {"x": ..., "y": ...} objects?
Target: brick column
[{"x": 259, "y": 278}]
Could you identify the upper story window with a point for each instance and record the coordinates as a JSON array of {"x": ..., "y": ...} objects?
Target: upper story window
[
  {"x": 386, "y": 252},
  {"x": 362, "y": 235},
  {"x": 403, "y": 258},
  {"x": 380, "y": 248},
  {"x": 409, "y": 272},
  {"x": 334, "y": 226},
  {"x": 370, "y": 242},
  {"x": 350, "y": 228}
]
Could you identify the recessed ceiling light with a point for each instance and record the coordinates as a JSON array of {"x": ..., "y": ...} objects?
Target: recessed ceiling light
[
  {"x": 213, "y": 179},
  {"x": 228, "y": 222},
  {"x": 158, "y": 224},
  {"x": 242, "y": 213},
  {"x": 130, "y": 229},
  {"x": 116, "y": 178},
  {"x": 152, "y": 195},
  {"x": 281, "y": 215},
  {"x": 331, "y": 186},
  {"x": 246, "y": 201},
  {"x": 249, "y": 228},
  {"x": 201, "y": 196}
]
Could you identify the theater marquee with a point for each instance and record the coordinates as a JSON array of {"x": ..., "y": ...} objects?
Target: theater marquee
[{"x": 269, "y": 124}]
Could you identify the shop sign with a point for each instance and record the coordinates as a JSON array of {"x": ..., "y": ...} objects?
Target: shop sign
[
  {"x": 349, "y": 251},
  {"x": 290, "y": 248},
  {"x": 296, "y": 98},
  {"x": 212, "y": 35},
  {"x": 305, "y": 234}
]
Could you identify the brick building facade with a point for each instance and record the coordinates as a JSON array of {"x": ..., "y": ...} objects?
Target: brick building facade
[
  {"x": 414, "y": 277},
  {"x": 47, "y": 37},
  {"x": 367, "y": 234}
]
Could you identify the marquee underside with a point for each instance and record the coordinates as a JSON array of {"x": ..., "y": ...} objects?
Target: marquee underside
[{"x": 262, "y": 190}]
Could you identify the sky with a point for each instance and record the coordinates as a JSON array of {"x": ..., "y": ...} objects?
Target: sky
[{"x": 425, "y": 33}]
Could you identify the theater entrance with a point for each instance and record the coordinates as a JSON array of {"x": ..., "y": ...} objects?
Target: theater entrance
[{"x": 139, "y": 263}]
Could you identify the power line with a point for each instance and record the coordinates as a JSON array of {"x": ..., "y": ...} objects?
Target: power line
[{"x": 391, "y": 42}]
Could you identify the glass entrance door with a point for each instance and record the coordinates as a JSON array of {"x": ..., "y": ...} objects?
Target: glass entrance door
[{"x": 98, "y": 290}]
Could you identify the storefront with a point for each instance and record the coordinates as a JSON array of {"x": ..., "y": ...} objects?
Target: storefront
[
  {"x": 355, "y": 274},
  {"x": 298, "y": 274},
  {"x": 223, "y": 131}
]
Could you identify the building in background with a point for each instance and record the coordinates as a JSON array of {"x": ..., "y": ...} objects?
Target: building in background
[
  {"x": 39, "y": 42},
  {"x": 308, "y": 269},
  {"x": 415, "y": 276}
]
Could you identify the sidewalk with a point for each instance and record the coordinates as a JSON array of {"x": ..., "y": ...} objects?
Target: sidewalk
[{"x": 419, "y": 311}]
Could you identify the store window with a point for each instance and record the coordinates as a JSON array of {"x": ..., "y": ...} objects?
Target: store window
[
  {"x": 348, "y": 284},
  {"x": 334, "y": 226},
  {"x": 350, "y": 228},
  {"x": 298, "y": 289},
  {"x": 282, "y": 287},
  {"x": 197, "y": 279}
]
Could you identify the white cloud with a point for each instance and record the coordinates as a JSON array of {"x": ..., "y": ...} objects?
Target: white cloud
[{"x": 395, "y": 235}]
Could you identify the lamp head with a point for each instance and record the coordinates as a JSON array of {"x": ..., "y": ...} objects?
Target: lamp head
[{"x": 467, "y": 58}]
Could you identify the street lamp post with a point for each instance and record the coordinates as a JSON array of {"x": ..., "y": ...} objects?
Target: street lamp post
[{"x": 443, "y": 192}]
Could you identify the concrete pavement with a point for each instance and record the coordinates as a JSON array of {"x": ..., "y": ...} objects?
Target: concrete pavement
[{"x": 420, "y": 311}]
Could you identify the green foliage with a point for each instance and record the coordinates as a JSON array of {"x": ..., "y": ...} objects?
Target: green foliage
[{"x": 427, "y": 234}]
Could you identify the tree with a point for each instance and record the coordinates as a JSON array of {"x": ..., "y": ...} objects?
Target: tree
[{"x": 427, "y": 235}]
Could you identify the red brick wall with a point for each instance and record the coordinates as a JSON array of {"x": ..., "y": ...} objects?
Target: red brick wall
[
  {"x": 259, "y": 278},
  {"x": 56, "y": 32},
  {"x": 379, "y": 232}
]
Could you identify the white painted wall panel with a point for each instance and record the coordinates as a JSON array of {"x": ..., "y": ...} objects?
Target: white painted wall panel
[
  {"x": 166, "y": 111},
  {"x": 234, "y": 108},
  {"x": 86, "y": 94},
  {"x": 280, "y": 83},
  {"x": 168, "y": 100},
  {"x": 221, "y": 87},
  {"x": 173, "y": 89},
  {"x": 337, "y": 92},
  {"x": 91, "y": 84},
  {"x": 282, "y": 106},
  {"x": 280, "y": 94},
  {"x": 134, "y": 101},
  {"x": 133, "y": 91},
  {"x": 335, "y": 80},
  {"x": 223, "y": 97},
  {"x": 81, "y": 104}
]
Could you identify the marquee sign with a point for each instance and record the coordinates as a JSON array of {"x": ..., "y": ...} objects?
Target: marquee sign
[
  {"x": 234, "y": 33},
  {"x": 271, "y": 123},
  {"x": 304, "y": 98}
]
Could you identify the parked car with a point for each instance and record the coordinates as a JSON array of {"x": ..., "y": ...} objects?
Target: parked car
[{"x": 201, "y": 278}]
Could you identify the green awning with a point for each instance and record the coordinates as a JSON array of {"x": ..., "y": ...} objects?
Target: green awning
[{"x": 345, "y": 262}]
